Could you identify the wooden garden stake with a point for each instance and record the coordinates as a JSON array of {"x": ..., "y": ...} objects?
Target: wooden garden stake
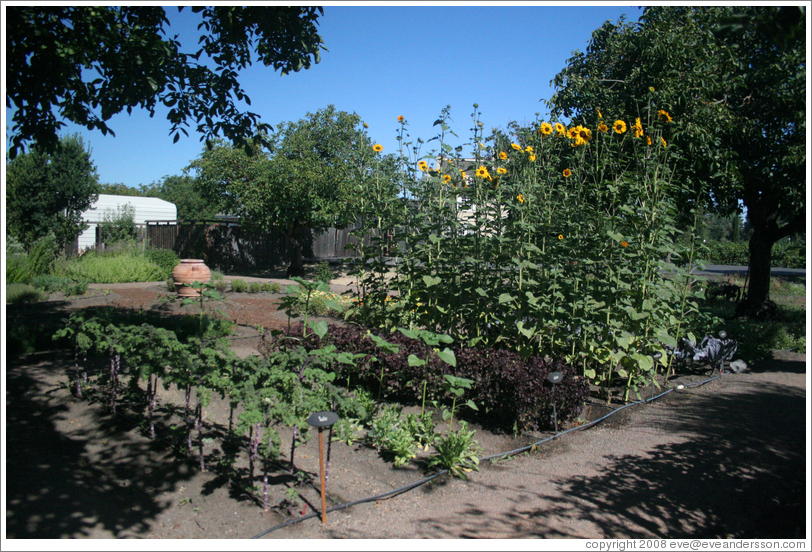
[{"x": 321, "y": 420}]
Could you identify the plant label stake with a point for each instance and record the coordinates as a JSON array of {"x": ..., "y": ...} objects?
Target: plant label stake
[
  {"x": 554, "y": 378},
  {"x": 322, "y": 420}
]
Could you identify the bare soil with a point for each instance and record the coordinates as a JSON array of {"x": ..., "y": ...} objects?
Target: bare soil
[{"x": 726, "y": 459}]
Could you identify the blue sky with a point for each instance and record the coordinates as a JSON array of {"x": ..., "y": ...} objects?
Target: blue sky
[{"x": 384, "y": 61}]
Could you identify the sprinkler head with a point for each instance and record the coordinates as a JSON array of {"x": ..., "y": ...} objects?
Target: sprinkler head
[
  {"x": 555, "y": 377},
  {"x": 722, "y": 334},
  {"x": 680, "y": 387}
]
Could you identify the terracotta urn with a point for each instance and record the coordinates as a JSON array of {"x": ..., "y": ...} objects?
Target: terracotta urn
[{"x": 188, "y": 271}]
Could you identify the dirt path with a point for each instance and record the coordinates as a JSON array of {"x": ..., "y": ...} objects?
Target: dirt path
[{"x": 726, "y": 459}]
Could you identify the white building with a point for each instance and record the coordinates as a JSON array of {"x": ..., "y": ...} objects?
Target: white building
[{"x": 146, "y": 208}]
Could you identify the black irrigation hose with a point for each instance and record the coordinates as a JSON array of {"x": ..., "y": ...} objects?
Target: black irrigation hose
[{"x": 410, "y": 486}]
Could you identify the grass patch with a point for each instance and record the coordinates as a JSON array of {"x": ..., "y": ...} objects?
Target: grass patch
[
  {"x": 758, "y": 338},
  {"x": 24, "y": 293}
]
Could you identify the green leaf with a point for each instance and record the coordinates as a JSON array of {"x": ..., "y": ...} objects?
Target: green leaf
[
  {"x": 431, "y": 280},
  {"x": 414, "y": 361},
  {"x": 506, "y": 298},
  {"x": 447, "y": 356},
  {"x": 319, "y": 328}
]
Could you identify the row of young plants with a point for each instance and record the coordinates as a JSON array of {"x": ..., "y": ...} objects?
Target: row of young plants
[
  {"x": 547, "y": 241},
  {"x": 280, "y": 389}
]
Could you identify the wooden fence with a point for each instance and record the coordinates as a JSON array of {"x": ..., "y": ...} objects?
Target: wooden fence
[{"x": 230, "y": 247}]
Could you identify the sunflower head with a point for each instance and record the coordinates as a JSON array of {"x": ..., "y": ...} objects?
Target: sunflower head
[
  {"x": 501, "y": 170},
  {"x": 664, "y": 116},
  {"x": 446, "y": 178},
  {"x": 378, "y": 147},
  {"x": 482, "y": 172},
  {"x": 663, "y": 142},
  {"x": 517, "y": 147},
  {"x": 401, "y": 118},
  {"x": 532, "y": 157},
  {"x": 602, "y": 127},
  {"x": 423, "y": 166},
  {"x": 520, "y": 197},
  {"x": 502, "y": 155},
  {"x": 567, "y": 173},
  {"x": 546, "y": 129},
  {"x": 619, "y": 126},
  {"x": 560, "y": 129},
  {"x": 624, "y": 244}
]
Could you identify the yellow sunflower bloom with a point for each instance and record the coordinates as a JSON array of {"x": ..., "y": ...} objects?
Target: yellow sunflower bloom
[
  {"x": 624, "y": 244},
  {"x": 560, "y": 129},
  {"x": 651, "y": 89},
  {"x": 619, "y": 126},
  {"x": 377, "y": 147},
  {"x": 501, "y": 170},
  {"x": 529, "y": 149},
  {"x": 401, "y": 118},
  {"x": 663, "y": 142},
  {"x": 600, "y": 115},
  {"x": 446, "y": 178},
  {"x": 638, "y": 128},
  {"x": 546, "y": 129},
  {"x": 664, "y": 116},
  {"x": 423, "y": 166},
  {"x": 520, "y": 197},
  {"x": 482, "y": 172},
  {"x": 602, "y": 127},
  {"x": 502, "y": 155},
  {"x": 648, "y": 140},
  {"x": 532, "y": 157},
  {"x": 581, "y": 135},
  {"x": 517, "y": 147},
  {"x": 567, "y": 173},
  {"x": 561, "y": 236},
  {"x": 462, "y": 174},
  {"x": 366, "y": 125}
]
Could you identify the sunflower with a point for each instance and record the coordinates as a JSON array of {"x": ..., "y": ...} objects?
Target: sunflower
[
  {"x": 423, "y": 166},
  {"x": 567, "y": 173},
  {"x": 600, "y": 115},
  {"x": 648, "y": 140},
  {"x": 624, "y": 244},
  {"x": 501, "y": 170},
  {"x": 520, "y": 197},
  {"x": 462, "y": 174},
  {"x": 663, "y": 142},
  {"x": 532, "y": 157},
  {"x": 560, "y": 129},
  {"x": 561, "y": 236},
  {"x": 528, "y": 149},
  {"x": 581, "y": 135},
  {"x": 401, "y": 118},
  {"x": 651, "y": 89},
  {"x": 664, "y": 116},
  {"x": 482, "y": 172},
  {"x": 517, "y": 147},
  {"x": 619, "y": 127},
  {"x": 366, "y": 125},
  {"x": 377, "y": 147},
  {"x": 602, "y": 127},
  {"x": 638, "y": 128},
  {"x": 446, "y": 178},
  {"x": 546, "y": 129},
  {"x": 502, "y": 155}
]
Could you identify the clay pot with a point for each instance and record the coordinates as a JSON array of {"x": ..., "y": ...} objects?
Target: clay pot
[{"x": 188, "y": 271}]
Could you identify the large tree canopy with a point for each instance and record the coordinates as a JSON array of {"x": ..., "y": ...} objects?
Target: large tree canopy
[
  {"x": 86, "y": 64},
  {"x": 46, "y": 193},
  {"x": 310, "y": 177},
  {"x": 734, "y": 81}
]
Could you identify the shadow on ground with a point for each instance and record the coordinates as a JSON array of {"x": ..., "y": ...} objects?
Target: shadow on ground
[
  {"x": 739, "y": 474},
  {"x": 56, "y": 491}
]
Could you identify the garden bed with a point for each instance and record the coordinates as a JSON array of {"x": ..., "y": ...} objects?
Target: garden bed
[{"x": 76, "y": 471}]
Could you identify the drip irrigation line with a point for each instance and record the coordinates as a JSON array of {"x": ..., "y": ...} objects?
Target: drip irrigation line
[{"x": 410, "y": 486}]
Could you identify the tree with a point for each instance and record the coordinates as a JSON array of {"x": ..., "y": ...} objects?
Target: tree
[
  {"x": 180, "y": 190},
  {"x": 47, "y": 193},
  {"x": 86, "y": 64},
  {"x": 733, "y": 79},
  {"x": 309, "y": 179},
  {"x": 119, "y": 189}
]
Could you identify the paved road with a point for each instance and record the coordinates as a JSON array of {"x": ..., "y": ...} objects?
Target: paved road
[{"x": 729, "y": 269}]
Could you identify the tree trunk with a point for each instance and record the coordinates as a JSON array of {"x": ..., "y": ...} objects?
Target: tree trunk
[
  {"x": 758, "y": 290},
  {"x": 294, "y": 235}
]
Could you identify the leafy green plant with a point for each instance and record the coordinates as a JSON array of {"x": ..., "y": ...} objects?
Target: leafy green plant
[
  {"x": 107, "y": 269},
  {"x": 239, "y": 286},
  {"x": 324, "y": 273},
  {"x": 220, "y": 285},
  {"x": 164, "y": 258},
  {"x": 457, "y": 452},
  {"x": 254, "y": 287},
  {"x": 23, "y": 293}
]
